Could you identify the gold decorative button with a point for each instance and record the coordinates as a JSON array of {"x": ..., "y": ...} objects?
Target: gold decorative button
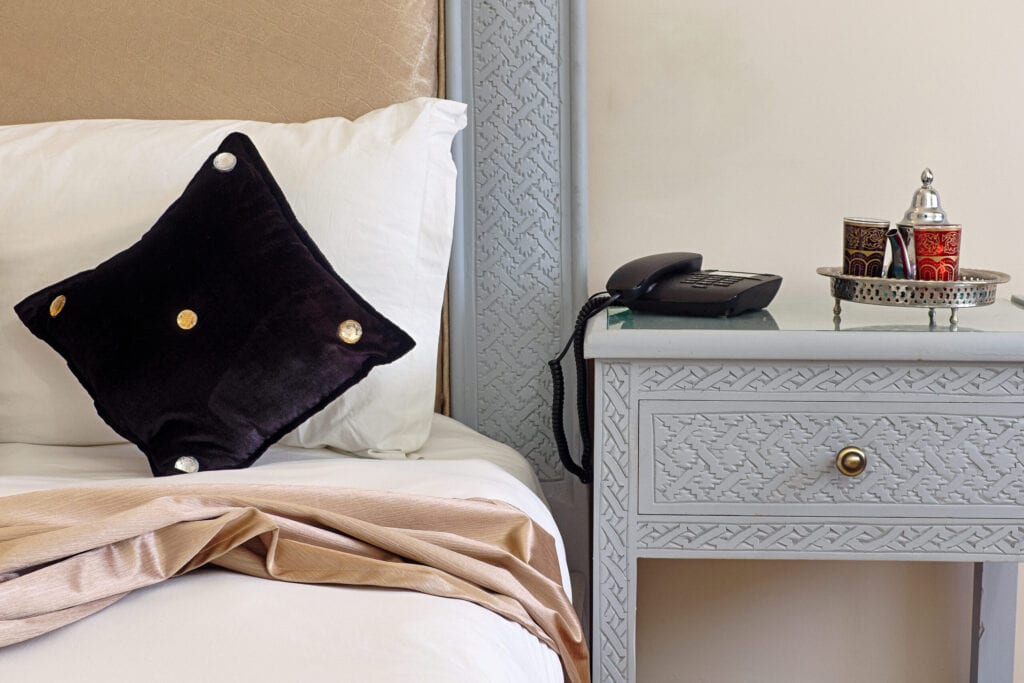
[
  {"x": 57, "y": 305},
  {"x": 350, "y": 331},
  {"x": 187, "y": 319},
  {"x": 186, "y": 464}
]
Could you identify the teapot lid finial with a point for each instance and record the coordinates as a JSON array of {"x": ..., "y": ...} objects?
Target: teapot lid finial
[{"x": 925, "y": 206}]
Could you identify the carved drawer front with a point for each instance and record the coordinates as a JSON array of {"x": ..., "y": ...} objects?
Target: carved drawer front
[{"x": 779, "y": 457}]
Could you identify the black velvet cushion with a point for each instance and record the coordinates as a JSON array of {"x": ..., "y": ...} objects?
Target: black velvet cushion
[{"x": 220, "y": 330}]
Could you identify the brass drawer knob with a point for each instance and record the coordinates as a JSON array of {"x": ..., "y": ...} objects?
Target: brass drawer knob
[{"x": 851, "y": 461}]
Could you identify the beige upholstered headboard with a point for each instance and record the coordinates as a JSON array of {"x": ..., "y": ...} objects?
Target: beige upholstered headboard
[
  {"x": 265, "y": 60},
  {"x": 248, "y": 59}
]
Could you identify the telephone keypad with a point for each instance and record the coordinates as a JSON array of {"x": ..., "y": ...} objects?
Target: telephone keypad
[{"x": 705, "y": 279}]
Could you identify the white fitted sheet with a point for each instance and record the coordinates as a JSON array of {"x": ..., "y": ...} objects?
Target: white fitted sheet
[{"x": 214, "y": 625}]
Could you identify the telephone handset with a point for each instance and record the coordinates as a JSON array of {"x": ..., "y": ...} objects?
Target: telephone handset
[
  {"x": 671, "y": 284},
  {"x": 637, "y": 278}
]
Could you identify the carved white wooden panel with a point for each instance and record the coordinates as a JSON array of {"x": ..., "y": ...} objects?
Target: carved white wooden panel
[
  {"x": 964, "y": 380},
  {"x": 976, "y": 541},
  {"x": 789, "y": 457},
  {"x": 518, "y": 221},
  {"x": 615, "y": 569},
  {"x": 516, "y": 277}
]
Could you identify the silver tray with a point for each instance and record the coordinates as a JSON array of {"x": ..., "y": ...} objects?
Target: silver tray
[{"x": 974, "y": 288}]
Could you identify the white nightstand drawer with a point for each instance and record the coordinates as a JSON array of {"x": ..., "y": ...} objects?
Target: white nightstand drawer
[{"x": 779, "y": 457}]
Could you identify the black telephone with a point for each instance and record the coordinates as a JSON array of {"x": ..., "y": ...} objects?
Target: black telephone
[
  {"x": 670, "y": 284},
  {"x": 674, "y": 284}
]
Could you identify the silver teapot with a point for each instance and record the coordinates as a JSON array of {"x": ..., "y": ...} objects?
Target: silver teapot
[{"x": 925, "y": 209}]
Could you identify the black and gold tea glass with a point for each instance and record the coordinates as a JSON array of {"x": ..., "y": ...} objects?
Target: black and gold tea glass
[{"x": 864, "y": 246}]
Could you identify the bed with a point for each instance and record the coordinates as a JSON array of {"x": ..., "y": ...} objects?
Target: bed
[
  {"x": 218, "y": 69},
  {"x": 291, "y": 631}
]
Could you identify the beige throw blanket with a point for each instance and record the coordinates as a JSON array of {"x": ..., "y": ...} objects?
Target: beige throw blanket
[{"x": 67, "y": 553}]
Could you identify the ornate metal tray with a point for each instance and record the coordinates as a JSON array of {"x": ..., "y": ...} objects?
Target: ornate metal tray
[{"x": 974, "y": 288}]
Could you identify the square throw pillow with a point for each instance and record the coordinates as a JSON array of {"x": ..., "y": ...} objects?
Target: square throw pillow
[
  {"x": 376, "y": 194},
  {"x": 220, "y": 330}
]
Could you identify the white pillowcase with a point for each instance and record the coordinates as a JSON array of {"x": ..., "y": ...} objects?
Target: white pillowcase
[{"x": 376, "y": 194}]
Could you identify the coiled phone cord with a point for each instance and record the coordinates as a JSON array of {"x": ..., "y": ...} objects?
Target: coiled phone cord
[{"x": 585, "y": 469}]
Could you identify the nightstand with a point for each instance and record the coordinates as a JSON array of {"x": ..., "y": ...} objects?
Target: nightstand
[{"x": 792, "y": 435}]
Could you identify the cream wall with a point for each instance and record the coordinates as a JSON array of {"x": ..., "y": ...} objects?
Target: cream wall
[{"x": 746, "y": 131}]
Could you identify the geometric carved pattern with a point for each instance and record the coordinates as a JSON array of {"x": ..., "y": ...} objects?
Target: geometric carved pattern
[
  {"x": 763, "y": 457},
  {"x": 611, "y": 540},
  {"x": 862, "y": 379},
  {"x": 765, "y": 436},
  {"x": 983, "y": 538},
  {"x": 517, "y": 221}
]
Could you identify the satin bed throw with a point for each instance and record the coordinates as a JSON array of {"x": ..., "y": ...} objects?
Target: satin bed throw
[{"x": 67, "y": 553}]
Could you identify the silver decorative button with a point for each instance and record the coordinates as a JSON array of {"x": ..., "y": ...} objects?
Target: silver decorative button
[
  {"x": 186, "y": 464},
  {"x": 224, "y": 162}
]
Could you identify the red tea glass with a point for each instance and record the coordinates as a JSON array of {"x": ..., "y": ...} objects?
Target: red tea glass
[{"x": 937, "y": 250}]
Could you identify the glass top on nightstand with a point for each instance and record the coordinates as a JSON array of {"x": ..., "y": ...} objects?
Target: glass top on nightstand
[{"x": 815, "y": 313}]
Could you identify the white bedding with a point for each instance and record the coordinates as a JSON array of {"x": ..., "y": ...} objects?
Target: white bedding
[{"x": 214, "y": 625}]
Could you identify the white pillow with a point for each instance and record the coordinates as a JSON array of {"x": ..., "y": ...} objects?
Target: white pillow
[{"x": 376, "y": 194}]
